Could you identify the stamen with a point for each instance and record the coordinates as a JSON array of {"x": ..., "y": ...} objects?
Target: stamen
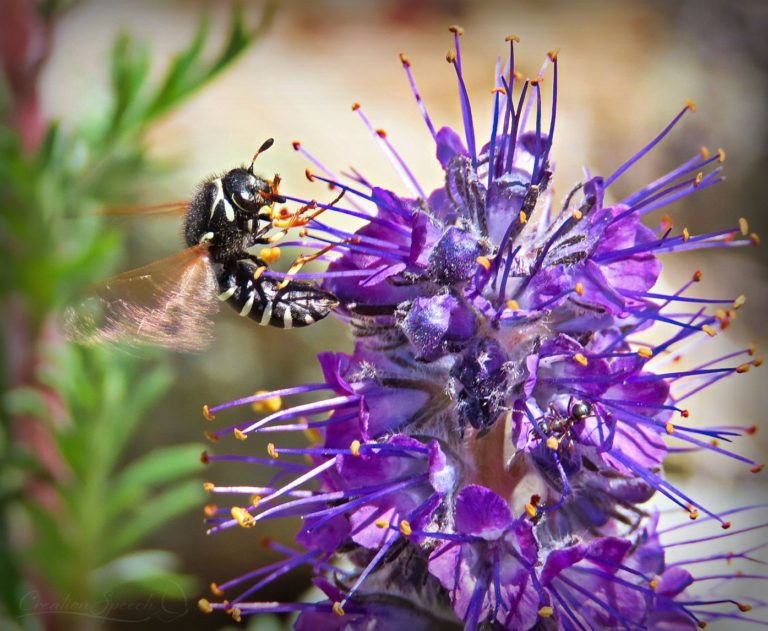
[
  {"x": 634, "y": 159},
  {"x": 466, "y": 108},
  {"x": 398, "y": 163},
  {"x": 417, "y": 95}
]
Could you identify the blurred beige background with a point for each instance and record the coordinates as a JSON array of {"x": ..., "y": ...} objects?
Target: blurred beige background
[{"x": 626, "y": 69}]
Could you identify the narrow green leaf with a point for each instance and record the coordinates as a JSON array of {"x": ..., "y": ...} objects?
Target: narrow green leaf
[
  {"x": 153, "y": 513},
  {"x": 156, "y": 468}
]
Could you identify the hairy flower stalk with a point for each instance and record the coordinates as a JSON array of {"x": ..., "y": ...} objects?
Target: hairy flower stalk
[{"x": 485, "y": 456}]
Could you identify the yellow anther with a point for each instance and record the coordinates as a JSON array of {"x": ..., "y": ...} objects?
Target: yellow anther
[
  {"x": 645, "y": 353},
  {"x": 531, "y": 510},
  {"x": 743, "y": 368},
  {"x": 552, "y": 54},
  {"x": 577, "y": 214},
  {"x": 259, "y": 271},
  {"x": 721, "y": 315},
  {"x": 210, "y": 510},
  {"x": 405, "y": 528},
  {"x": 209, "y": 487},
  {"x": 512, "y": 38},
  {"x": 313, "y": 435},
  {"x": 546, "y": 612},
  {"x": 204, "y": 605},
  {"x": 757, "y": 469},
  {"x": 270, "y": 255},
  {"x": 255, "y": 500},
  {"x": 744, "y": 607},
  {"x": 739, "y": 302},
  {"x": 751, "y": 349},
  {"x": 404, "y": 60},
  {"x": 214, "y": 438},
  {"x": 743, "y": 226},
  {"x": 669, "y": 428},
  {"x": 720, "y": 155},
  {"x": 381, "y": 523},
  {"x": 580, "y": 289},
  {"x": 579, "y": 358},
  {"x": 354, "y": 447},
  {"x": 450, "y": 57},
  {"x": 686, "y": 234},
  {"x": 552, "y": 442},
  {"x": 758, "y": 362},
  {"x": 272, "y": 451},
  {"x": 242, "y": 517},
  {"x": 666, "y": 222},
  {"x": 699, "y": 177},
  {"x": 216, "y": 590},
  {"x": 693, "y": 514},
  {"x": 268, "y": 405},
  {"x": 207, "y": 414},
  {"x": 484, "y": 261},
  {"x": 522, "y": 217},
  {"x": 704, "y": 152},
  {"x": 499, "y": 90},
  {"x": 690, "y": 105},
  {"x": 456, "y": 29},
  {"x": 240, "y": 434},
  {"x": 236, "y": 614},
  {"x": 755, "y": 239},
  {"x": 518, "y": 75},
  {"x": 653, "y": 583},
  {"x": 709, "y": 330},
  {"x": 513, "y": 304},
  {"x": 337, "y": 609}
]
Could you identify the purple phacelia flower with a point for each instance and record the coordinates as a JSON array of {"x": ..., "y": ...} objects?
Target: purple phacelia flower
[{"x": 486, "y": 455}]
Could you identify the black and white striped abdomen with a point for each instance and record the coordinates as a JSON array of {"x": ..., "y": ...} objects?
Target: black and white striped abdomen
[{"x": 297, "y": 304}]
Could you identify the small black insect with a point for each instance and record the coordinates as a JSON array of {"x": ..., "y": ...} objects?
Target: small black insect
[
  {"x": 168, "y": 303},
  {"x": 554, "y": 424}
]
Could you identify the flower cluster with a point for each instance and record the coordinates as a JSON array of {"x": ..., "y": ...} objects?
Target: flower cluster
[{"x": 485, "y": 456}]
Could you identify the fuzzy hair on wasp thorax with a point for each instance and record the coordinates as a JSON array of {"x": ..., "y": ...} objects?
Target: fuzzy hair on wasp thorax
[{"x": 170, "y": 303}]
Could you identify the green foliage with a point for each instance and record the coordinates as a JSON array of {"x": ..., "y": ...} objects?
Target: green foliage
[
  {"x": 87, "y": 406},
  {"x": 98, "y": 510}
]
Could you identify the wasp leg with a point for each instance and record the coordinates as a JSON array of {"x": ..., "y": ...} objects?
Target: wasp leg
[{"x": 286, "y": 220}]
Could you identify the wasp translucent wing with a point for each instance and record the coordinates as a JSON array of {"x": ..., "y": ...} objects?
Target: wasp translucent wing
[
  {"x": 167, "y": 303},
  {"x": 172, "y": 209}
]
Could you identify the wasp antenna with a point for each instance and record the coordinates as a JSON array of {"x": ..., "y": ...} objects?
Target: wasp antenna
[{"x": 264, "y": 146}]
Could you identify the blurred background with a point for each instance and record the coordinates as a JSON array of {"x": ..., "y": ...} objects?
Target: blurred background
[{"x": 106, "y": 104}]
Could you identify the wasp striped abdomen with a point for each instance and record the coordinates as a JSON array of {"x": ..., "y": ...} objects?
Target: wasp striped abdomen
[{"x": 296, "y": 304}]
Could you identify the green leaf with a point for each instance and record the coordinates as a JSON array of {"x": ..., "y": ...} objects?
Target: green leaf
[
  {"x": 130, "y": 68},
  {"x": 152, "y": 571},
  {"x": 26, "y": 400},
  {"x": 152, "y": 514},
  {"x": 179, "y": 78},
  {"x": 156, "y": 468}
]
